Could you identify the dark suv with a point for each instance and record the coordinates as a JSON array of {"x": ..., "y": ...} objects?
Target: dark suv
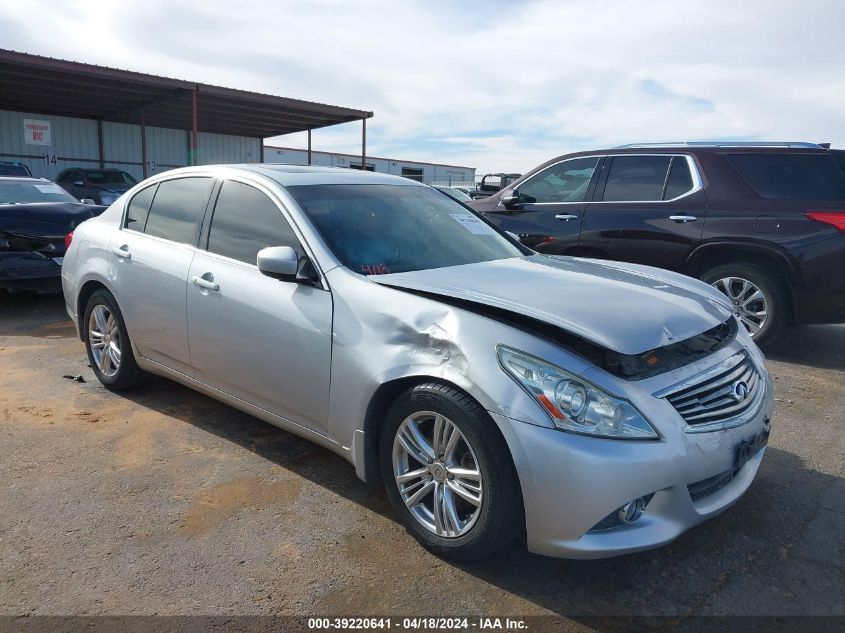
[{"x": 764, "y": 223}]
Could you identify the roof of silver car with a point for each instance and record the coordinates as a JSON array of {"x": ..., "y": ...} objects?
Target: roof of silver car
[{"x": 291, "y": 175}]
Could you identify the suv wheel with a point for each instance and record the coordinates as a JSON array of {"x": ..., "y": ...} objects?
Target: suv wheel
[
  {"x": 107, "y": 343},
  {"x": 758, "y": 299},
  {"x": 449, "y": 475}
]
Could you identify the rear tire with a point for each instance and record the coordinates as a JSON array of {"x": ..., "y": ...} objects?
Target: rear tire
[
  {"x": 108, "y": 345},
  {"x": 473, "y": 506},
  {"x": 758, "y": 298}
]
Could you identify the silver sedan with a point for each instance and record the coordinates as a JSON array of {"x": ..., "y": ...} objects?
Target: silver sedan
[{"x": 596, "y": 408}]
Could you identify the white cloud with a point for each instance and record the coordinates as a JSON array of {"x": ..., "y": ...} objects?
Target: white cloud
[{"x": 497, "y": 85}]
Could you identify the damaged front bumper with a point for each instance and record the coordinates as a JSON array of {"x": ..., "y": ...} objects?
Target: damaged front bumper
[{"x": 574, "y": 486}]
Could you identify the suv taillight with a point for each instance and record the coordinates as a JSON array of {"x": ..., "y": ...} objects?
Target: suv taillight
[
  {"x": 68, "y": 240},
  {"x": 836, "y": 218}
]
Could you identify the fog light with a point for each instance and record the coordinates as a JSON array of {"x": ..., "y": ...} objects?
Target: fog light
[{"x": 632, "y": 511}]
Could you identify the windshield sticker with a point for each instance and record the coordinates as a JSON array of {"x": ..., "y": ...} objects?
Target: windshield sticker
[
  {"x": 375, "y": 269},
  {"x": 472, "y": 224},
  {"x": 49, "y": 188}
]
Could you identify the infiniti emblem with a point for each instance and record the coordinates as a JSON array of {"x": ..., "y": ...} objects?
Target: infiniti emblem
[{"x": 739, "y": 392}]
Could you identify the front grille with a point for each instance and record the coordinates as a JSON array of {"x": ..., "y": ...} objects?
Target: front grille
[{"x": 722, "y": 393}]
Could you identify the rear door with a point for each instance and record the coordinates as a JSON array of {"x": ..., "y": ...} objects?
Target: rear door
[
  {"x": 647, "y": 209},
  {"x": 150, "y": 258},
  {"x": 265, "y": 341},
  {"x": 550, "y": 206}
]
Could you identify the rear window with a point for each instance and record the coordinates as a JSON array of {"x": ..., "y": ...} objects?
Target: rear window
[
  {"x": 14, "y": 169},
  {"x": 177, "y": 208},
  {"x": 139, "y": 208},
  {"x": 26, "y": 191},
  {"x": 791, "y": 176}
]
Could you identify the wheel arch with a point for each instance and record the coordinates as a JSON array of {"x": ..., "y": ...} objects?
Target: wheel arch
[
  {"x": 85, "y": 291},
  {"x": 708, "y": 256},
  {"x": 381, "y": 400}
]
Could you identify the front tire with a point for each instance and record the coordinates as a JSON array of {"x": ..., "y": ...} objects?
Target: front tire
[
  {"x": 107, "y": 343},
  {"x": 449, "y": 474},
  {"x": 758, "y": 298}
]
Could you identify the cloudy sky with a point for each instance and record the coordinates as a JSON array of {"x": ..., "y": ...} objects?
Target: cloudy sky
[{"x": 497, "y": 85}]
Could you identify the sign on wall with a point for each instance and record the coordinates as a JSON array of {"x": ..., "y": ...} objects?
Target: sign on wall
[{"x": 36, "y": 132}]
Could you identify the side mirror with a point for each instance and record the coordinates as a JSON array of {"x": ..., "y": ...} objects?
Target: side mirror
[
  {"x": 78, "y": 183},
  {"x": 279, "y": 262},
  {"x": 88, "y": 201},
  {"x": 510, "y": 200},
  {"x": 282, "y": 263}
]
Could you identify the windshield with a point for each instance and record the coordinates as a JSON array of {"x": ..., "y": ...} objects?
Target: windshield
[
  {"x": 380, "y": 229},
  {"x": 24, "y": 191},
  {"x": 110, "y": 177}
]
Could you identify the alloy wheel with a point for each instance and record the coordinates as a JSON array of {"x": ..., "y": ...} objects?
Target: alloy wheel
[
  {"x": 104, "y": 340},
  {"x": 749, "y": 303},
  {"x": 437, "y": 474}
]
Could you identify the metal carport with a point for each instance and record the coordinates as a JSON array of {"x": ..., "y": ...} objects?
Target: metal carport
[{"x": 49, "y": 86}]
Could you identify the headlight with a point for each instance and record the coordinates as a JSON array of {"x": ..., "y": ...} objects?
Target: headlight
[{"x": 572, "y": 403}]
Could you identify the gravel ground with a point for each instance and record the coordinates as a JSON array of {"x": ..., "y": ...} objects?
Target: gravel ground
[{"x": 163, "y": 501}]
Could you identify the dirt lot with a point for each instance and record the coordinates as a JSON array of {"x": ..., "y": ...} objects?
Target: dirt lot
[{"x": 163, "y": 501}]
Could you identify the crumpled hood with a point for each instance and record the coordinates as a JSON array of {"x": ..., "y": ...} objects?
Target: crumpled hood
[{"x": 626, "y": 308}]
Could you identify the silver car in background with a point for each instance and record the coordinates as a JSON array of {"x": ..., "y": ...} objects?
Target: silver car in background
[{"x": 596, "y": 408}]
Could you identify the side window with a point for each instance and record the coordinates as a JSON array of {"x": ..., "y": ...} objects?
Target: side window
[
  {"x": 178, "y": 206},
  {"x": 139, "y": 209},
  {"x": 245, "y": 220},
  {"x": 636, "y": 178},
  {"x": 679, "y": 181},
  {"x": 563, "y": 182}
]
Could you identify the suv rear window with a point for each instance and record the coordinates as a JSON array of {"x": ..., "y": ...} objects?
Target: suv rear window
[{"x": 791, "y": 176}]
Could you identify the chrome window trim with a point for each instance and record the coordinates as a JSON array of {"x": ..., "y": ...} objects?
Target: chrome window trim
[
  {"x": 215, "y": 176},
  {"x": 155, "y": 183},
  {"x": 697, "y": 180},
  {"x": 695, "y": 173}
]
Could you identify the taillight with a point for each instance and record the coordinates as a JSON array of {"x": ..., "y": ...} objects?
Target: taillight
[
  {"x": 68, "y": 240},
  {"x": 836, "y": 218}
]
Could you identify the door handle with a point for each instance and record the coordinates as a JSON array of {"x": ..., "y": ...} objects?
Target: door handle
[
  {"x": 122, "y": 252},
  {"x": 566, "y": 217},
  {"x": 205, "y": 283},
  {"x": 683, "y": 218}
]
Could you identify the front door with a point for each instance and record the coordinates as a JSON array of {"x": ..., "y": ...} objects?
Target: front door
[
  {"x": 549, "y": 207},
  {"x": 264, "y": 341},
  {"x": 647, "y": 209}
]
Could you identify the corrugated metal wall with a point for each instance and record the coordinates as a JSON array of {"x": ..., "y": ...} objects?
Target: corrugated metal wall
[
  {"x": 432, "y": 173},
  {"x": 221, "y": 148},
  {"x": 74, "y": 143}
]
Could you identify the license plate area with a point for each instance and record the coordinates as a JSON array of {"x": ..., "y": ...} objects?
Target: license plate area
[{"x": 746, "y": 449}]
